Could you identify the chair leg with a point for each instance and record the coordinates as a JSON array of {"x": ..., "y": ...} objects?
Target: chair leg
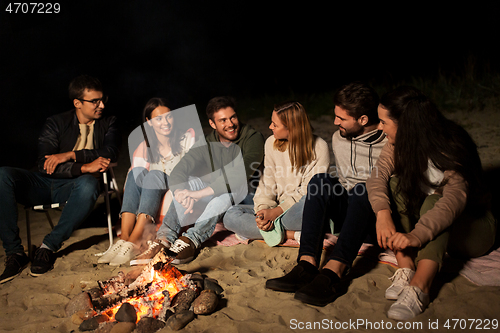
[
  {"x": 108, "y": 210},
  {"x": 49, "y": 219},
  {"x": 115, "y": 186}
]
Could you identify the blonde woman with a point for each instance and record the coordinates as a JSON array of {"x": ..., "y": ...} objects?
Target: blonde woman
[{"x": 292, "y": 156}]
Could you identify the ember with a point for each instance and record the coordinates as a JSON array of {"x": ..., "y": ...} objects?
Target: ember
[
  {"x": 160, "y": 292},
  {"x": 157, "y": 287}
]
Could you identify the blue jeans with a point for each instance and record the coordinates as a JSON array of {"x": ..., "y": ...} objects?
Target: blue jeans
[
  {"x": 212, "y": 210},
  {"x": 34, "y": 188},
  {"x": 240, "y": 219},
  {"x": 144, "y": 191},
  {"x": 248, "y": 199},
  {"x": 350, "y": 211}
]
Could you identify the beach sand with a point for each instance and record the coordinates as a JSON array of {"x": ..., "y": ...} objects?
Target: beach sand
[{"x": 31, "y": 304}]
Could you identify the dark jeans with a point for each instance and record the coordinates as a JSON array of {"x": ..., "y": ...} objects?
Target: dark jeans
[
  {"x": 34, "y": 188},
  {"x": 350, "y": 211}
]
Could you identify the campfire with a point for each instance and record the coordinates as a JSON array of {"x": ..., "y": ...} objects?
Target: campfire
[{"x": 159, "y": 296}]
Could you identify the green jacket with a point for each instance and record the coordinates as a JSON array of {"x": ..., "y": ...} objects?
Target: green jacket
[
  {"x": 246, "y": 152},
  {"x": 251, "y": 144}
]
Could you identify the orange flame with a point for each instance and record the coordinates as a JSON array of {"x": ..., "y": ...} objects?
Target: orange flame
[{"x": 167, "y": 279}]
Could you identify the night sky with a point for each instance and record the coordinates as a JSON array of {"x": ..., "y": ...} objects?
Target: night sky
[{"x": 191, "y": 51}]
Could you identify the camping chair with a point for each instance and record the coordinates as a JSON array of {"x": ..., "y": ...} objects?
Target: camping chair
[{"x": 109, "y": 188}]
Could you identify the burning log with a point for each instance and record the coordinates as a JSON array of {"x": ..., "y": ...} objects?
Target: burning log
[
  {"x": 113, "y": 285},
  {"x": 159, "y": 292},
  {"x": 106, "y": 301}
]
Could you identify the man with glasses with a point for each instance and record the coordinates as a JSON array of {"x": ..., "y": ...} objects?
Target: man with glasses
[{"x": 74, "y": 148}]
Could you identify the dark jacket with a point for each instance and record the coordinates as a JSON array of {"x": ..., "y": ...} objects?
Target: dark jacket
[
  {"x": 251, "y": 144},
  {"x": 59, "y": 135},
  {"x": 238, "y": 161}
]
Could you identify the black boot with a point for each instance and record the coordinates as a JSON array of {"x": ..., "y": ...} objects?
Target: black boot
[
  {"x": 320, "y": 291},
  {"x": 298, "y": 277},
  {"x": 14, "y": 265}
]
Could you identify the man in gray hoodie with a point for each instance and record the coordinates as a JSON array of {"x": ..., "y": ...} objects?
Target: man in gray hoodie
[{"x": 341, "y": 198}]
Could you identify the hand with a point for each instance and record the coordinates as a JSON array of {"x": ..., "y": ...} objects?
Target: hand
[
  {"x": 187, "y": 198},
  {"x": 100, "y": 164},
  {"x": 52, "y": 161},
  {"x": 263, "y": 224},
  {"x": 385, "y": 228},
  {"x": 400, "y": 241},
  {"x": 181, "y": 195},
  {"x": 188, "y": 203},
  {"x": 265, "y": 217}
]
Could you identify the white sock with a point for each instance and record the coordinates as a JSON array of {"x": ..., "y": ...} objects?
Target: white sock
[
  {"x": 43, "y": 246},
  {"x": 296, "y": 236}
]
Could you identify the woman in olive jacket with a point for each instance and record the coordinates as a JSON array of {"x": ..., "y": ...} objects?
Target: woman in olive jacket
[{"x": 427, "y": 194}]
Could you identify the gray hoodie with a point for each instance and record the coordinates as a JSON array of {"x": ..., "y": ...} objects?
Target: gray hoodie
[{"x": 355, "y": 158}]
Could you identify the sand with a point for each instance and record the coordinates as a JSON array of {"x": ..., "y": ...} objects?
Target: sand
[{"x": 38, "y": 304}]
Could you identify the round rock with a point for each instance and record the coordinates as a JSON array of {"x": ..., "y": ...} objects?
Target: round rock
[
  {"x": 206, "y": 303},
  {"x": 126, "y": 314}
]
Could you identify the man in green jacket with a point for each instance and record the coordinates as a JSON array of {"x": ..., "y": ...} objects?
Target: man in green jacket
[{"x": 210, "y": 178}]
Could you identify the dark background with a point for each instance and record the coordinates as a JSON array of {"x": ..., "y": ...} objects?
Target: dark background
[{"x": 191, "y": 51}]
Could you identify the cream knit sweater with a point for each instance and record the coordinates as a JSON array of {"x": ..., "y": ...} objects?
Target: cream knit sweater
[{"x": 280, "y": 185}]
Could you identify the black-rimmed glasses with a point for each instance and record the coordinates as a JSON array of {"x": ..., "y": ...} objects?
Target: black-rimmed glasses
[{"x": 96, "y": 101}]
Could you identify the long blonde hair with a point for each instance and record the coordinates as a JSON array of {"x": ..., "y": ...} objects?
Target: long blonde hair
[{"x": 300, "y": 141}]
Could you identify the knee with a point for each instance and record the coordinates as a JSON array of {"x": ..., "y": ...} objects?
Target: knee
[
  {"x": 5, "y": 174},
  {"x": 393, "y": 184},
  {"x": 429, "y": 202},
  {"x": 155, "y": 179},
  {"x": 136, "y": 176},
  {"x": 323, "y": 184},
  {"x": 318, "y": 178},
  {"x": 137, "y": 173},
  {"x": 316, "y": 184},
  {"x": 87, "y": 186},
  {"x": 472, "y": 236},
  {"x": 231, "y": 217}
]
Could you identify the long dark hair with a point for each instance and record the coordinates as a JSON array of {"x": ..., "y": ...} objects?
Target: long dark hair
[
  {"x": 150, "y": 135},
  {"x": 424, "y": 134}
]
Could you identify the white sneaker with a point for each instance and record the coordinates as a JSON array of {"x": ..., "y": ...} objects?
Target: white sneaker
[
  {"x": 153, "y": 248},
  {"x": 411, "y": 302},
  {"x": 111, "y": 252},
  {"x": 400, "y": 279},
  {"x": 127, "y": 252}
]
